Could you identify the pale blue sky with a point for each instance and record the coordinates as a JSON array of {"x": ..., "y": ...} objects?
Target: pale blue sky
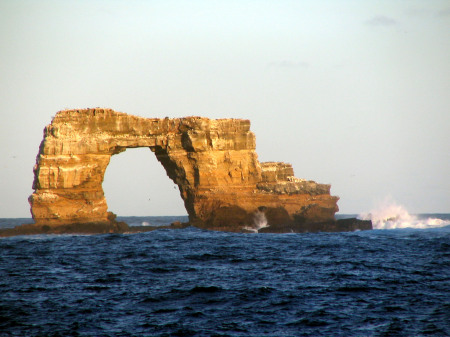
[{"x": 352, "y": 93}]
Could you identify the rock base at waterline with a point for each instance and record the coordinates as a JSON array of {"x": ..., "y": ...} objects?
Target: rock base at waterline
[
  {"x": 341, "y": 225},
  {"x": 85, "y": 229},
  {"x": 108, "y": 227}
]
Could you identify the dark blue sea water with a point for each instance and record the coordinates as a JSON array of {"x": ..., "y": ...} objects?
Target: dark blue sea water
[{"x": 191, "y": 282}]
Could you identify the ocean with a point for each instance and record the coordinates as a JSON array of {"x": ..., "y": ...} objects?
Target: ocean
[{"x": 390, "y": 281}]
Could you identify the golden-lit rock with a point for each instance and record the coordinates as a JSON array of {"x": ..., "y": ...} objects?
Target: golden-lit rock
[{"x": 213, "y": 162}]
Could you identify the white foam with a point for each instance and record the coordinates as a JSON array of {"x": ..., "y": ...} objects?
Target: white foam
[
  {"x": 390, "y": 215},
  {"x": 259, "y": 221}
]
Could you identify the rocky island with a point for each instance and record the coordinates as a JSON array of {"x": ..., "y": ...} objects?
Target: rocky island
[{"x": 214, "y": 163}]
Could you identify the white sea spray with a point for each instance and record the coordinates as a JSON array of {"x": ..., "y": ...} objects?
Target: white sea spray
[
  {"x": 390, "y": 215},
  {"x": 259, "y": 221}
]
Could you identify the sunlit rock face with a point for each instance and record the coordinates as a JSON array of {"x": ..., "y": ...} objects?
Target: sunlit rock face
[{"x": 213, "y": 162}]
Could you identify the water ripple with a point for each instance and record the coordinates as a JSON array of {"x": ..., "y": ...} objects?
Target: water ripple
[{"x": 198, "y": 283}]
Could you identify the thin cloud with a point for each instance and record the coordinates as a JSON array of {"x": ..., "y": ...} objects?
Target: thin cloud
[{"x": 381, "y": 20}]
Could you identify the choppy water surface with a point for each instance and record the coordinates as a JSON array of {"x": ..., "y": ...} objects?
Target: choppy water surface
[{"x": 200, "y": 283}]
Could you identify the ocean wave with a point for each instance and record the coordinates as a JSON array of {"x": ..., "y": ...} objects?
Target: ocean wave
[{"x": 390, "y": 215}]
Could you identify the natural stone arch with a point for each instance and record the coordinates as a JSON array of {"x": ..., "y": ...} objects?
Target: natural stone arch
[{"x": 213, "y": 162}]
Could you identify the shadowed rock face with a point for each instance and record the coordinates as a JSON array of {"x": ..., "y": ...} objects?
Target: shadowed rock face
[{"x": 213, "y": 162}]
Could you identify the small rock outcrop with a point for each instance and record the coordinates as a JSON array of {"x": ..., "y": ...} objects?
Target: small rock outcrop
[{"x": 213, "y": 162}]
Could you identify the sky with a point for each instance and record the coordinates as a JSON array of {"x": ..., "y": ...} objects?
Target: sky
[{"x": 355, "y": 94}]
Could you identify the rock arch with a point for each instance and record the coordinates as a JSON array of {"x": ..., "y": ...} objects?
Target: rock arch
[{"x": 213, "y": 162}]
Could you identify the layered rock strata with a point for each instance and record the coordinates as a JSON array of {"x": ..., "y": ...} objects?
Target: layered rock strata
[{"x": 213, "y": 162}]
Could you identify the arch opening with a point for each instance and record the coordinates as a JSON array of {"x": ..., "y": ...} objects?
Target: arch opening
[{"x": 136, "y": 184}]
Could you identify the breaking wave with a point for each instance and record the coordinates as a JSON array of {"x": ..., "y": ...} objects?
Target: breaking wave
[
  {"x": 390, "y": 215},
  {"x": 259, "y": 221}
]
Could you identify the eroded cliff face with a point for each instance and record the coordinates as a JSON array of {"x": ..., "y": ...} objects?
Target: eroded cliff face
[{"x": 213, "y": 162}]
